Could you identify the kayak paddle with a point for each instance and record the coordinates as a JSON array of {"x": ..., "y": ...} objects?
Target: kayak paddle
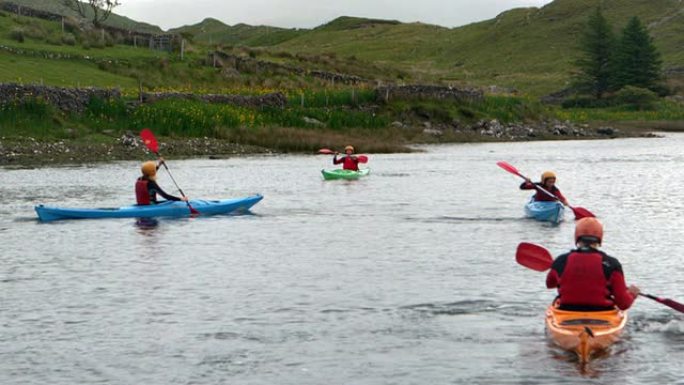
[
  {"x": 665, "y": 301},
  {"x": 151, "y": 142},
  {"x": 533, "y": 256},
  {"x": 537, "y": 258},
  {"x": 327, "y": 151},
  {"x": 579, "y": 212}
]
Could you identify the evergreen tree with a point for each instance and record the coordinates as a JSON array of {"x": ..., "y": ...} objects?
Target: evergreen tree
[
  {"x": 594, "y": 65},
  {"x": 637, "y": 60}
]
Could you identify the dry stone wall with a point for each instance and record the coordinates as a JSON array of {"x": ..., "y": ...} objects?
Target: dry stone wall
[
  {"x": 250, "y": 65},
  {"x": 66, "y": 99},
  {"x": 276, "y": 99},
  {"x": 412, "y": 92}
]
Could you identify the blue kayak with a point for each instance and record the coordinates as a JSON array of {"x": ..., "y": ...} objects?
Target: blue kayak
[
  {"x": 545, "y": 211},
  {"x": 164, "y": 209}
]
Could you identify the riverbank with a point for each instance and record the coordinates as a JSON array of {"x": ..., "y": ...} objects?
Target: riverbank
[{"x": 30, "y": 151}]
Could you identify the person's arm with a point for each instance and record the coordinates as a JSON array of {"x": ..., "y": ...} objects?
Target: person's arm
[
  {"x": 623, "y": 296},
  {"x": 557, "y": 267},
  {"x": 528, "y": 185},
  {"x": 169, "y": 197},
  {"x": 552, "y": 279},
  {"x": 337, "y": 161},
  {"x": 560, "y": 197}
]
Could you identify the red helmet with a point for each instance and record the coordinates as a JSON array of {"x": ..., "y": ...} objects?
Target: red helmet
[{"x": 589, "y": 228}]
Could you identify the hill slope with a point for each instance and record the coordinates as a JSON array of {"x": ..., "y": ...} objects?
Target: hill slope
[
  {"x": 211, "y": 31},
  {"x": 114, "y": 20},
  {"x": 529, "y": 48}
]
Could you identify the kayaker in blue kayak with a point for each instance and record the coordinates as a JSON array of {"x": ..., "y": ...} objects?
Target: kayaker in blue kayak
[
  {"x": 349, "y": 161},
  {"x": 548, "y": 183},
  {"x": 587, "y": 278},
  {"x": 146, "y": 187}
]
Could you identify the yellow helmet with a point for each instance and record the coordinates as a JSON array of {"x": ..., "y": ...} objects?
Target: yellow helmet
[
  {"x": 149, "y": 169},
  {"x": 546, "y": 175},
  {"x": 349, "y": 148}
]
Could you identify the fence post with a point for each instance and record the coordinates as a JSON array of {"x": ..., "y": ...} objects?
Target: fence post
[
  {"x": 301, "y": 97},
  {"x": 135, "y": 41},
  {"x": 140, "y": 91},
  {"x": 182, "y": 48},
  {"x": 62, "y": 24}
]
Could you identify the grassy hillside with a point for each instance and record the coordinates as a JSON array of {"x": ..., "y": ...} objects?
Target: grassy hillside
[
  {"x": 531, "y": 48},
  {"x": 211, "y": 31},
  {"x": 114, "y": 20}
]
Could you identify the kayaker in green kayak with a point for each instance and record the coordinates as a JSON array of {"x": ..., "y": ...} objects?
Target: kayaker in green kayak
[
  {"x": 146, "y": 187},
  {"x": 548, "y": 183},
  {"x": 587, "y": 278},
  {"x": 349, "y": 161}
]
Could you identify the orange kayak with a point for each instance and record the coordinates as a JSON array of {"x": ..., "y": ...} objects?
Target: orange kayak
[{"x": 584, "y": 333}]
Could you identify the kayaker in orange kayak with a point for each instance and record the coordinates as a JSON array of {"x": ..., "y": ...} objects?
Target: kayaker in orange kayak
[
  {"x": 587, "y": 278},
  {"x": 349, "y": 161},
  {"x": 146, "y": 187},
  {"x": 548, "y": 183}
]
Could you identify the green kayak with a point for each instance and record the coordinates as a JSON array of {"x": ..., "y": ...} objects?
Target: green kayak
[{"x": 344, "y": 174}]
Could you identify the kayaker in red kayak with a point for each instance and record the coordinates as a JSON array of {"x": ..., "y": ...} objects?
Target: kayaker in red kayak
[
  {"x": 587, "y": 278},
  {"x": 349, "y": 161},
  {"x": 146, "y": 187},
  {"x": 548, "y": 183}
]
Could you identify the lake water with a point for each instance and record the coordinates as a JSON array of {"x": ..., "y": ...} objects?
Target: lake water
[{"x": 405, "y": 277}]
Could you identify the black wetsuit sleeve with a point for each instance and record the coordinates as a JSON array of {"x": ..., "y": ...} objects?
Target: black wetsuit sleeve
[{"x": 153, "y": 186}]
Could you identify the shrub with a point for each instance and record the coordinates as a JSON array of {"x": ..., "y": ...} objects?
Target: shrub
[
  {"x": 585, "y": 102},
  {"x": 637, "y": 98},
  {"x": 17, "y": 34},
  {"x": 54, "y": 40},
  {"x": 69, "y": 39}
]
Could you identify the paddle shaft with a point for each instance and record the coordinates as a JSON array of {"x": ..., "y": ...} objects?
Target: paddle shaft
[{"x": 172, "y": 178}]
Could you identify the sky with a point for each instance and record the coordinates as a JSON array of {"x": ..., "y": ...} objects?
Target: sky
[{"x": 311, "y": 13}]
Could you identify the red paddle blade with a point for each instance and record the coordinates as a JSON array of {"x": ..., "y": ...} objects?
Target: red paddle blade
[
  {"x": 150, "y": 141},
  {"x": 326, "y": 151},
  {"x": 193, "y": 212},
  {"x": 673, "y": 304},
  {"x": 362, "y": 159},
  {"x": 581, "y": 212},
  {"x": 508, "y": 168},
  {"x": 533, "y": 256}
]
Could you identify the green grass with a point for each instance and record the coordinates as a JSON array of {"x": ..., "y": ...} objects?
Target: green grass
[
  {"x": 114, "y": 20},
  {"x": 211, "y": 31},
  {"x": 531, "y": 49},
  {"x": 66, "y": 73},
  {"x": 664, "y": 111},
  {"x": 52, "y": 31}
]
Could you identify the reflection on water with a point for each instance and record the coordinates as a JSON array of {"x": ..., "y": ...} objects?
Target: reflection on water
[
  {"x": 405, "y": 277},
  {"x": 146, "y": 225}
]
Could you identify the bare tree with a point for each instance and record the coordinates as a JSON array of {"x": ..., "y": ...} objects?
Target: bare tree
[{"x": 101, "y": 9}]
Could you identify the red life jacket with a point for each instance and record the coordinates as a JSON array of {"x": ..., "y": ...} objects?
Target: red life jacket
[
  {"x": 583, "y": 281},
  {"x": 589, "y": 278},
  {"x": 142, "y": 196},
  {"x": 351, "y": 163}
]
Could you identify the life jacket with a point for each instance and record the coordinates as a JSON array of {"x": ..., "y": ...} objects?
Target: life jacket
[
  {"x": 142, "y": 195},
  {"x": 351, "y": 163},
  {"x": 541, "y": 196},
  {"x": 584, "y": 278}
]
